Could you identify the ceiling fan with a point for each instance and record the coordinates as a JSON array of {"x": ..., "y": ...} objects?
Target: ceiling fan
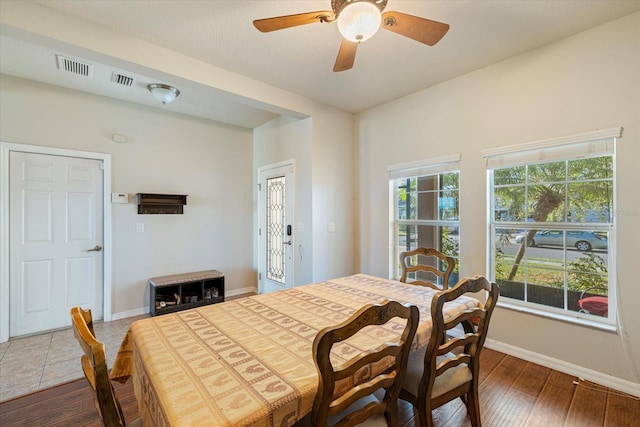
[{"x": 358, "y": 20}]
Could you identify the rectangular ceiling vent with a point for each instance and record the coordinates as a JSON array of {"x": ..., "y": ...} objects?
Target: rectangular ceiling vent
[
  {"x": 74, "y": 66},
  {"x": 121, "y": 79}
]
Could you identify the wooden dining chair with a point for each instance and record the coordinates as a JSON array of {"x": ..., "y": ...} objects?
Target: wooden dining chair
[
  {"x": 430, "y": 263},
  {"x": 449, "y": 366},
  {"x": 355, "y": 405},
  {"x": 94, "y": 366}
]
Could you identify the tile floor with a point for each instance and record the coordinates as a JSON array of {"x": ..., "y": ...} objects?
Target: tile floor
[{"x": 40, "y": 361}]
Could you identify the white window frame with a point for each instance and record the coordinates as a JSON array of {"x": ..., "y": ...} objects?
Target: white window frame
[
  {"x": 583, "y": 145},
  {"x": 427, "y": 167}
]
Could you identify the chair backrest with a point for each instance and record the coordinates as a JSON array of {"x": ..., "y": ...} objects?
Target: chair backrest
[
  {"x": 462, "y": 350},
  {"x": 428, "y": 260},
  {"x": 330, "y": 400},
  {"x": 94, "y": 366}
]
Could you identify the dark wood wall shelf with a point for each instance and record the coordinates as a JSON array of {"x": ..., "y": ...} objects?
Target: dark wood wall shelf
[
  {"x": 183, "y": 291},
  {"x": 160, "y": 203}
]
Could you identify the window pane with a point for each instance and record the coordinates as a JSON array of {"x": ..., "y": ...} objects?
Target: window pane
[
  {"x": 595, "y": 168},
  {"x": 429, "y": 236},
  {"x": 406, "y": 237},
  {"x": 444, "y": 239},
  {"x": 509, "y": 203},
  {"x": 547, "y": 173},
  {"x": 589, "y": 283},
  {"x": 437, "y": 197},
  {"x": 450, "y": 180},
  {"x": 546, "y": 203},
  {"x": 590, "y": 201},
  {"x": 530, "y": 266},
  {"x": 448, "y": 204},
  {"x": 426, "y": 183},
  {"x": 510, "y": 176},
  {"x": 428, "y": 205},
  {"x": 406, "y": 194}
]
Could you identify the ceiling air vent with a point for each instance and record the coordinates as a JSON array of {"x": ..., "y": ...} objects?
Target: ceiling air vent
[
  {"x": 74, "y": 66},
  {"x": 121, "y": 79}
]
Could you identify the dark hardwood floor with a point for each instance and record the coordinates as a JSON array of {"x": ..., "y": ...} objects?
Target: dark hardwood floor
[{"x": 513, "y": 392}]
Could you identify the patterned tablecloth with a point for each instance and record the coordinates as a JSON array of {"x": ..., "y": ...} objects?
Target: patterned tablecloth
[{"x": 248, "y": 362}]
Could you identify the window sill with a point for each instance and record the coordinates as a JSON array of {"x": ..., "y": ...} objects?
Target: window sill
[{"x": 608, "y": 327}]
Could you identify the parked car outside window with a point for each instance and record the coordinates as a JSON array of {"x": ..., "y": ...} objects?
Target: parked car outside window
[{"x": 581, "y": 240}]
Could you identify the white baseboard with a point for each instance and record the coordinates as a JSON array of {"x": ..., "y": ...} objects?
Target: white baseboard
[
  {"x": 145, "y": 309},
  {"x": 600, "y": 378},
  {"x": 233, "y": 293}
]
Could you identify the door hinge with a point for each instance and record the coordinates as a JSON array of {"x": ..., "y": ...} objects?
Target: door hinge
[
  {"x": 259, "y": 231},
  {"x": 101, "y": 166},
  {"x": 259, "y": 187},
  {"x": 259, "y": 276}
]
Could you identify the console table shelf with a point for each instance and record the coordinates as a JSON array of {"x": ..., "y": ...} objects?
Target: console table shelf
[{"x": 183, "y": 291}]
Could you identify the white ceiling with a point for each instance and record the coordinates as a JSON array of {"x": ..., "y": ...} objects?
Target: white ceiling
[{"x": 300, "y": 59}]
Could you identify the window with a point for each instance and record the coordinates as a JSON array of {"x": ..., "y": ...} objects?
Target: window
[
  {"x": 552, "y": 225},
  {"x": 425, "y": 200}
]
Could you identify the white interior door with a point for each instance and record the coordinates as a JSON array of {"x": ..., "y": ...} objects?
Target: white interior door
[
  {"x": 275, "y": 232},
  {"x": 55, "y": 238}
]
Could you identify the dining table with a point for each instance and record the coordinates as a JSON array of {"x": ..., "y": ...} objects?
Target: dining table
[{"x": 249, "y": 361}]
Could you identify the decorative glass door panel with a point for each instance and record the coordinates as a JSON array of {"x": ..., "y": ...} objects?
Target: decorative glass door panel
[{"x": 276, "y": 190}]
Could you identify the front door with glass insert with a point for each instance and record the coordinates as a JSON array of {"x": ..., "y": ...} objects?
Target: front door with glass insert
[{"x": 275, "y": 231}]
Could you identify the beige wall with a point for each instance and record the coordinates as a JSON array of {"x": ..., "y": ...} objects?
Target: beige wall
[
  {"x": 322, "y": 147},
  {"x": 171, "y": 153},
  {"x": 216, "y": 165},
  {"x": 281, "y": 139},
  {"x": 335, "y": 249},
  {"x": 325, "y": 156},
  {"x": 586, "y": 82}
]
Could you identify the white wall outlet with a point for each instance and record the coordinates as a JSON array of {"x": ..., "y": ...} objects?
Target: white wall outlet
[{"x": 119, "y": 198}]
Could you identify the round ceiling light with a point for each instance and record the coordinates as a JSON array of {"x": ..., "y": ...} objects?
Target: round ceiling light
[
  {"x": 358, "y": 21},
  {"x": 163, "y": 93}
]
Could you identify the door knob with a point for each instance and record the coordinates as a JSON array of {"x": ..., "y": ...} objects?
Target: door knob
[
  {"x": 98, "y": 248},
  {"x": 287, "y": 243}
]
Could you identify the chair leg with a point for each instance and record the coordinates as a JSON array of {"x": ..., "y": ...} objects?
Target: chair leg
[
  {"x": 416, "y": 417},
  {"x": 473, "y": 408},
  {"x": 422, "y": 415},
  {"x": 428, "y": 416}
]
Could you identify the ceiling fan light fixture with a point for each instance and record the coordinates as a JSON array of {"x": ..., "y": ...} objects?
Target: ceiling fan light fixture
[
  {"x": 163, "y": 93},
  {"x": 359, "y": 20}
]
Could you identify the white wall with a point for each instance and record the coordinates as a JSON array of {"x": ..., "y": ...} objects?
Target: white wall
[
  {"x": 328, "y": 151},
  {"x": 283, "y": 139},
  {"x": 171, "y": 153},
  {"x": 586, "y": 82},
  {"x": 335, "y": 249},
  {"x": 322, "y": 147}
]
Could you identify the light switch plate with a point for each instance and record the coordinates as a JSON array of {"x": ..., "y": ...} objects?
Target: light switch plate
[{"x": 119, "y": 198}]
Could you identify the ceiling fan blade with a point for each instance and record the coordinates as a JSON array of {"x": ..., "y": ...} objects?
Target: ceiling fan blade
[
  {"x": 346, "y": 56},
  {"x": 419, "y": 29},
  {"x": 281, "y": 22}
]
